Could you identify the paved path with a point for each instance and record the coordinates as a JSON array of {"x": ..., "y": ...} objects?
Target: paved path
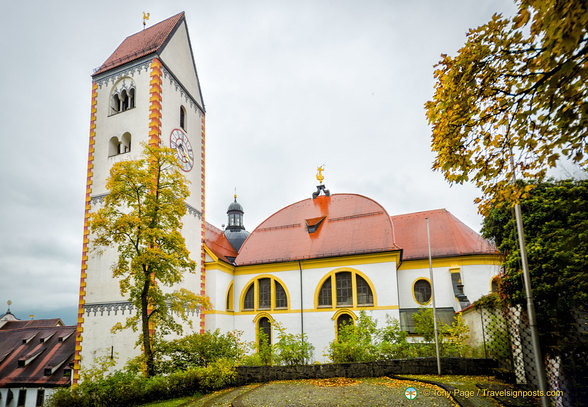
[{"x": 342, "y": 392}]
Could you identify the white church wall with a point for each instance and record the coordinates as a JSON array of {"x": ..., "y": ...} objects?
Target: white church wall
[
  {"x": 108, "y": 124},
  {"x": 477, "y": 280},
  {"x": 175, "y": 56}
]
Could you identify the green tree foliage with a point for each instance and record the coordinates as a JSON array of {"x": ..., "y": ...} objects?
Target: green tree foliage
[
  {"x": 556, "y": 226},
  {"x": 141, "y": 216},
  {"x": 198, "y": 350},
  {"x": 516, "y": 89}
]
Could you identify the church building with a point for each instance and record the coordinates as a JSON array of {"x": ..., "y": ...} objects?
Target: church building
[{"x": 310, "y": 266}]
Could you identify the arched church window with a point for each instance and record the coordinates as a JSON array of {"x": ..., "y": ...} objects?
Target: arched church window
[
  {"x": 344, "y": 289},
  {"x": 265, "y": 293},
  {"x": 249, "y": 302},
  {"x": 230, "y": 298},
  {"x": 325, "y": 296},
  {"x": 281, "y": 299},
  {"x": 182, "y": 117},
  {"x": 265, "y": 329},
  {"x": 364, "y": 292},
  {"x": 350, "y": 290},
  {"x": 422, "y": 291},
  {"x": 342, "y": 321}
]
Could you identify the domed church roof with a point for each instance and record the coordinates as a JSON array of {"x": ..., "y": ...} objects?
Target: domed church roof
[{"x": 327, "y": 226}]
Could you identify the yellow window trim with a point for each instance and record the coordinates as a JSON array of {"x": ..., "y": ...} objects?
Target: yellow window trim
[
  {"x": 414, "y": 296},
  {"x": 255, "y": 282},
  {"x": 353, "y": 272}
]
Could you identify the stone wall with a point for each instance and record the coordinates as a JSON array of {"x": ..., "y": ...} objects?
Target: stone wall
[{"x": 458, "y": 366}]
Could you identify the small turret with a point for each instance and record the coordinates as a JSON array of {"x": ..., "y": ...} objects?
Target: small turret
[{"x": 235, "y": 231}]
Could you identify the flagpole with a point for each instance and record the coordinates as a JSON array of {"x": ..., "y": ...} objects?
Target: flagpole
[{"x": 433, "y": 298}]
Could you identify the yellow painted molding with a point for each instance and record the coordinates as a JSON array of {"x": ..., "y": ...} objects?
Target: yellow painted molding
[
  {"x": 342, "y": 261},
  {"x": 306, "y": 311},
  {"x": 452, "y": 262}
]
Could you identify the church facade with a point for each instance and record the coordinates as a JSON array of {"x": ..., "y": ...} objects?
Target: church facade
[
  {"x": 310, "y": 266},
  {"x": 320, "y": 262}
]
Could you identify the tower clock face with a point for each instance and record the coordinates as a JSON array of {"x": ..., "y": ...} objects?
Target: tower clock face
[{"x": 181, "y": 145}]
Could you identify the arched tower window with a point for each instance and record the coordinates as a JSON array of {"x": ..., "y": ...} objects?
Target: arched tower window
[
  {"x": 122, "y": 97},
  {"x": 113, "y": 147},
  {"x": 350, "y": 288},
  {"x": 131, "y": 98},
  {"x": 264, "y": 293},
  {"x": 182, "y": 117},
  {"x": 126, "y": 143}
]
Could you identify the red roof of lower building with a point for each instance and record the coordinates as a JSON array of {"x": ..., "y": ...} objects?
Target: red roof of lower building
[
  {"x": 337, "y": 225},
  {"x": 36, "y": 353},
  {"x": 142, "y": 43},
  {"x": 216, "y": 241},
  {"x": 449, "y": 236}
]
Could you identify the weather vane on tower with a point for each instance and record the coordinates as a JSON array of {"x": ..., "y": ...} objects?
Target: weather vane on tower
[{"x": 145, "y": 18}]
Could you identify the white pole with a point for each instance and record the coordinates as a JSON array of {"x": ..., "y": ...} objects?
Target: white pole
[{"x": 433, "y": 298}]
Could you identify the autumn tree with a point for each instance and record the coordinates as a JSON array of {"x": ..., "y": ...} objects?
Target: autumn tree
[
  {"x": 141, "y": 217},
  {"x": 514, "y": 99}
]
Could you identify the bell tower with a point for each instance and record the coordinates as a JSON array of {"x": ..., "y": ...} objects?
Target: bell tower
[{"x": 147, "y": 91}]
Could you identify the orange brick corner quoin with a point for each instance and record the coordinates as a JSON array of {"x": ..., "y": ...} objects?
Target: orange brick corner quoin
[
  {"x": 202, "y": 259},
  {"x": 80, "y": 322},
  {"x": 155, "y": 103}
]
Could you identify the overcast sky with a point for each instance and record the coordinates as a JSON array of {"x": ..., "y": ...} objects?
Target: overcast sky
[{"x": 287, "y": 85}]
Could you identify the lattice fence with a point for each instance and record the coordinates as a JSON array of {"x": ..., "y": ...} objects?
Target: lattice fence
[{"x": 507, "y": 339}]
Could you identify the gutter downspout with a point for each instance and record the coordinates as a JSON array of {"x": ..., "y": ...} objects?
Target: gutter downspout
[{"x": 301, "y": 303}]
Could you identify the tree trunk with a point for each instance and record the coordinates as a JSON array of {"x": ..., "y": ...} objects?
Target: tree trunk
[{"x": 147, "y": 351}]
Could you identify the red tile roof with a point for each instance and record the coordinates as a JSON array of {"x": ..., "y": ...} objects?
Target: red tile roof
[
  {"x": 449, "y": 236},
  {"x": 142, "y": 43},
  {"x": 216, "y": 241},
  {"x": 36, "y": 354},
  {"x": 353, "y": 224}
]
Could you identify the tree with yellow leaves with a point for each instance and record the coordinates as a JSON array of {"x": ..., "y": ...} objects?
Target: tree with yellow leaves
[
  {"x": 141, "y": 216},
  {"x": 514, "y": 100}
]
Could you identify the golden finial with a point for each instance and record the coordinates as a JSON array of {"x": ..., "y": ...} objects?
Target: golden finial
[
  {"x": 145, "y": 18},
  {"x": 235, "y": 193},
  {"x": 319, "y": 173}
]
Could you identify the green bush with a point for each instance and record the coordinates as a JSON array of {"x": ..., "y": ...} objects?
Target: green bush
[
  {"x": 129, "y": 389},
  {"x": 393, "y": 343},
  {"x": 199, "y": 350},
  {"x": 292, "y": 349},
  {"x": 355, "y": 343}
]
